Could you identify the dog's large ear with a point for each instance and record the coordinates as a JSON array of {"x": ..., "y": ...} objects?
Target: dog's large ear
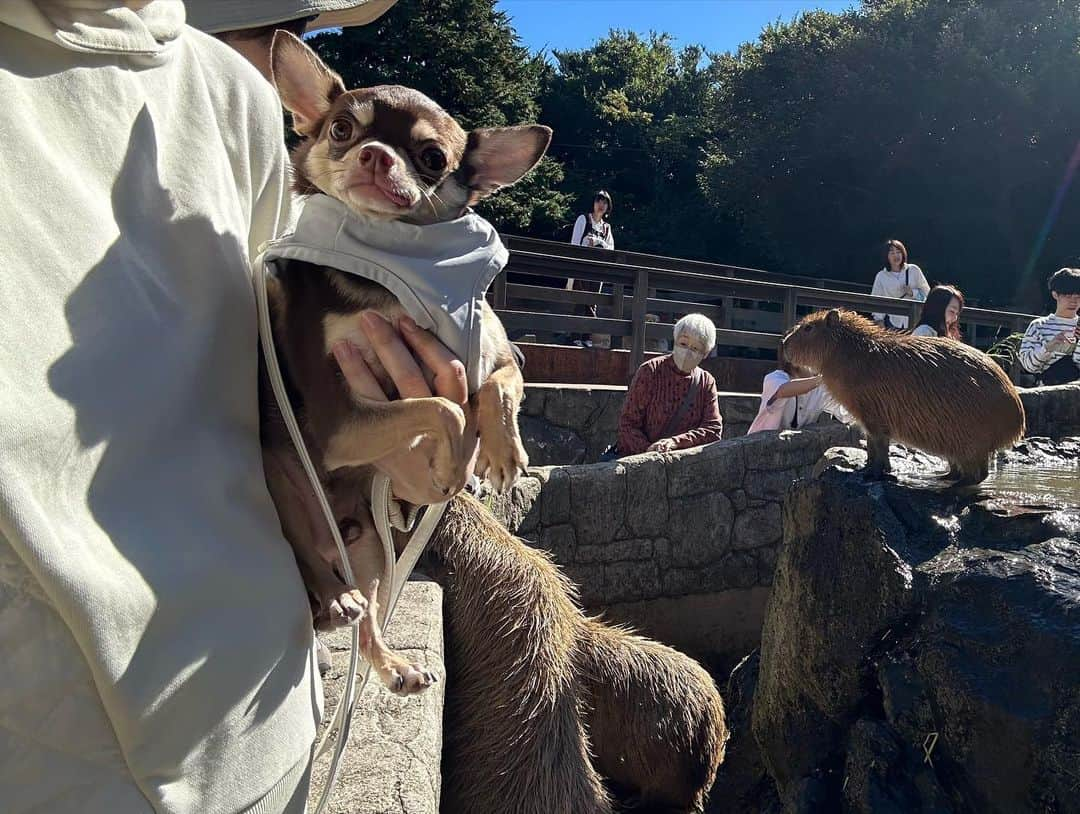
[
  {"x": 306, "y": 86},
  {"x": 497, "y": 157}
]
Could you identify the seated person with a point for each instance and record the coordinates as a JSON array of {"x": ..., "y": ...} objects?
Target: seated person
[
  {"x": 1049, "y": 347},
  {"x": 941, "y": 313},
  {"x": 792, "y": 398},
  {"x": 671, "y": 404}
]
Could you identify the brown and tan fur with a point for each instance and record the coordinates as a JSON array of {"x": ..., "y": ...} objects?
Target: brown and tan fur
[
  {"x": 933, "y": 393},
  {"x": 388, "y": 153},
  {"x": 654, "y": 716},
  {"x": 543, "y": 702}
]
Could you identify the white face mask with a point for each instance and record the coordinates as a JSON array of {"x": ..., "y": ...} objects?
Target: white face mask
[{"x": 686, "y": 359}]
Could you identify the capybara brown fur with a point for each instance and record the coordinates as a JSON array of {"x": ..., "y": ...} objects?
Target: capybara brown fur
[
  {"x": 542, "y": 702},
  {"x": 513, "y": 733},
  {"x": 933, "y": 393},
  {"x": 655, "y": 718}
]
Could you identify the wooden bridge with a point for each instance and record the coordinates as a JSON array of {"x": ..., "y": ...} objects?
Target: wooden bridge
[{"x": 751, "y": 308}]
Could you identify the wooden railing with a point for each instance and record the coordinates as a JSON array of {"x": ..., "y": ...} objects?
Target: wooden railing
[{"x": 751, "y": 308}]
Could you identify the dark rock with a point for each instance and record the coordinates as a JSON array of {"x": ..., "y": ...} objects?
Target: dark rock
[
  {"x": 549, "y": 445},
  {"x": 920, "y": 653}
]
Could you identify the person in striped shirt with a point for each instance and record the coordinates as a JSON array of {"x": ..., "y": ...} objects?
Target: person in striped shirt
[{"x": 1049, "y": 349}]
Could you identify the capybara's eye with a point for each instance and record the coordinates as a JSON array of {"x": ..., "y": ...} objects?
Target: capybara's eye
[
  {"x": 433, "y": 159},
  {"x": 341, "y": 129}
]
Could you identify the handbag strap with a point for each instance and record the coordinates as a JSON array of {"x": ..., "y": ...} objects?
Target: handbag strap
[{"x": 688, "y": 399}]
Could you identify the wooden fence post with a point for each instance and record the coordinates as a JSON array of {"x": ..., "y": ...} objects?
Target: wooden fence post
[
  {"x": 618, "y": 291},
  {"x": 790, "y": 315},
  {"x": 637, "y": 314}
]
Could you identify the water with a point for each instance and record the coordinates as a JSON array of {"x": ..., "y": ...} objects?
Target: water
[{"x": 1017, "y": 484}]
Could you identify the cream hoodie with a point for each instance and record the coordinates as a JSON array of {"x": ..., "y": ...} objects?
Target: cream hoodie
[{"x": 154, "y": 632}]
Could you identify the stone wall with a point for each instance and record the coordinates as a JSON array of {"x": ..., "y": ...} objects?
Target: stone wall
[
  {"x": 573, "y": 424},
  {"x": 686, "y": 533}
]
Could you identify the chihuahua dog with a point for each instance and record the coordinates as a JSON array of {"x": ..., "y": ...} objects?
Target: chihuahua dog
[{"x": 387, "y": 153}]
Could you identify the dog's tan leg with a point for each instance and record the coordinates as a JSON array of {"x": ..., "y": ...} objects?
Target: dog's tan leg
[
  {"x": 502, "y": 457},
  {"x": 334, "y": 604},
  {"x": 396, "y": 672},
  {"x": 381, "y": 428}
]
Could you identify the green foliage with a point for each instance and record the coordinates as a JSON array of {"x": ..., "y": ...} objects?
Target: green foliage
[
  {"x": 946, "y": 124},
  {"x": 1006, "y": 352},
  {"x": 949, "y": 124},
  {"x": 464, "y": 55},
  {"x": 632, "y": 115}
]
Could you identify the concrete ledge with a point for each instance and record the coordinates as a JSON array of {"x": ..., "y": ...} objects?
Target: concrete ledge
[{"x": 393, "y": 763}]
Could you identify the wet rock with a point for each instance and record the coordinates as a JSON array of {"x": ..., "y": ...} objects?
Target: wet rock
[{"x": 921, "y": 653}]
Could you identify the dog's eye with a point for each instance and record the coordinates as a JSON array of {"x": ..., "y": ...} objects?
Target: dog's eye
[
  {"x": 433, "y": 159},
  {"x": 341, "y": 129}
]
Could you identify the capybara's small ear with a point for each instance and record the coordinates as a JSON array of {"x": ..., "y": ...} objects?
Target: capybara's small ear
[{"x": 832, "y": 319}]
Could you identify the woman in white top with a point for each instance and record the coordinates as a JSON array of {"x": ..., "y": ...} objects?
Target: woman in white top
[
  {"x": 941, "y": 313},
  {"x": 788, "y": 402},
  {"x": 591, "y": 230},
  {"x": 899, "y": 279}
]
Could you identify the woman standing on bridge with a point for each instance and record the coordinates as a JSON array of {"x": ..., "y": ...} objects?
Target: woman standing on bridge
[
  {"x": 593, "y": 231},
  {"x": 899, "y": 279},
  {"x": 671, "y": 404}
]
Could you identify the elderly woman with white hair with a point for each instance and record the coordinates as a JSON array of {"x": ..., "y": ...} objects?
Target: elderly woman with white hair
[{"x": 671, "y": 404}]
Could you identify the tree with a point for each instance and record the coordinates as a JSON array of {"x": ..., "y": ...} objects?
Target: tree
[
  {"x": 947, "y": 124},
  {"x": 464, "y": 55},
  {"x": 632, "y": 115}
]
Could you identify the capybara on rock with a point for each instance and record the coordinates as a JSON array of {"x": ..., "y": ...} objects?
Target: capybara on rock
[
  {"x": 933, "y": 393},
  {"x": 531, "y": 681}
]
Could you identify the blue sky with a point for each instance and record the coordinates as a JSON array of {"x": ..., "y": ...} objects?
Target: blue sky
[{"x": 719, "y": 25}]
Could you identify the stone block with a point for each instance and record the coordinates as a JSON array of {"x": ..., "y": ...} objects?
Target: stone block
[
  {"x": 560, "y": 542},
  {"x": 555, "y": 500},
  {"x": 393, "y": 765},
  {"x": 754, "y": 528},
  {"x": 768, "y": 484},
  {"x": 589, "y": 578},
  {"x": 646, "y": 496},
  {"x": 549, "y": 445},
  {"x": 739, "y": 570},
  {"x": 533, "y": 403},
  {"x": 788, "y": 449},
  {"x": 700, "y": 528},
  {"x": 738, "y": 500},
  {"x": 629, "y": 581},
  {"x": 517, "y": 508},
  {"x": 681, "y": 581},
  {"x": 598, "y": 501},
  {"x": 766, "y": 558},
  {"x": 715, "y": 467}
]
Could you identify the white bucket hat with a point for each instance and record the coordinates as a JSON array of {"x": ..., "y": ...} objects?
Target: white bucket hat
[{"x": 214, "y": 16}]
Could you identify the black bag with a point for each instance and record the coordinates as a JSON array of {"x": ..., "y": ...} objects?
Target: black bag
[{"x": 1063, "y": 371}]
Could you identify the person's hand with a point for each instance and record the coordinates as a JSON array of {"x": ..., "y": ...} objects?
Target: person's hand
[
  {"x": 1062, "y": 339},
  {"x": 663, "y": 445},
  {"x": 408, "y": 469},
  {"x": 906, "y": 292}
]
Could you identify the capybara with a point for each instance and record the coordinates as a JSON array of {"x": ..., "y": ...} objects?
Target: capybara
[
  {"x": 513, "y": 736},
  {"x": 654, "y": 716},
  {"x": 932, "y": 393},
  {"x": 531, "y": 681}
]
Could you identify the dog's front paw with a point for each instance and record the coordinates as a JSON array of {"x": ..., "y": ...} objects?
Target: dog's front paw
[
  {"x": 449, "y": 465},
  {"x": 502, "y": 459},
  {"x": 403, "y": 678}
]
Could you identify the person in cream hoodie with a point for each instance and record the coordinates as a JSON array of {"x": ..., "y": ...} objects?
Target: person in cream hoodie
[{"x": 155, "y": 639}]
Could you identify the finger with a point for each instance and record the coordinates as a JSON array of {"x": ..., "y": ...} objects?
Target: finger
[
  {"x": 358, "y": 375},
  {"x": 395, "y": 356},
  {"x": 447, "y": 369}
]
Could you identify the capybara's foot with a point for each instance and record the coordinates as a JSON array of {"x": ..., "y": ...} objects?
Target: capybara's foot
[
  {"x": 346, "y": 608},
  {"x": 403, "y": 678}
]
